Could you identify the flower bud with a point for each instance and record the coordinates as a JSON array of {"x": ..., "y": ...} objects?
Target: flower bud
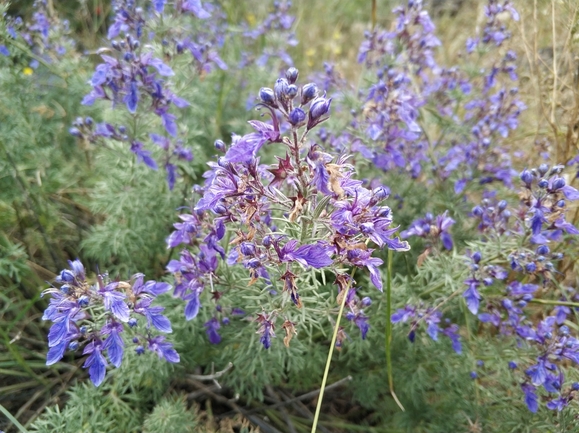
[
  {"x": 543, "y": 183},
  {"x": 477, "y": 211},
  {"x": 267, "y": 96},
  {"x": 75, "y": 132},
  {"x": 140, "y": 350},
  {"x": 220, "y": 209},
  {"x": 291, "y": 75},
  {"x": 66, "y": 276},
  {"x": 247, "y": 249},
  {"x": 309, "y": 92},
  {"x": 266, "y": 242},
  {"x": 527, "y": 177},
  {"x": 366, "y": 301},
  {"x": 280, "y": 89},
  {"x": 381, "y": 193},
  {"x": 132, "y": 322},
  {"x": 83, "y": 301},
  {"x": 543, "y": 168},
  {"x": 476, "y": 257},
  {"x": 543, "y": 249},
  {"x": 88, "y": 121},
  {"x": 488, "y": 281},
  {"x": 254, "y": 263},
  {"x": 292, "y": 91},
  {"x": 319, "y": 108},
  {"x": 502, "y": 205},
  {"x": 65, "y": 288},
  {"x": 558, "y": 183},
  {"x": 512, "y": 365},
  {"x": 73, "y": 345},
  {"x": 297, "y": 116},
  {"x": 219, "y": 145}
]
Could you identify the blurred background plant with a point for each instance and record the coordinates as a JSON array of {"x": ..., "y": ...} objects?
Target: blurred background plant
[{"x": 63, "y": 197}]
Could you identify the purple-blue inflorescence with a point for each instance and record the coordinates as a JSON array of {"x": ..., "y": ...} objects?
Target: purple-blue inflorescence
[
  {"x": 241, "y": 196},
  {"x": 95, "y": 318}
]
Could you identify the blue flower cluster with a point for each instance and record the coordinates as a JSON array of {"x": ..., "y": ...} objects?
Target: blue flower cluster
[
  {"x": 311, "y": 188},
  {"x": 94, "y": 318}
]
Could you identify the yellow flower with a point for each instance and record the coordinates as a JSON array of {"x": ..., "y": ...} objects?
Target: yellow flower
[{"x": 27, "y": 71}]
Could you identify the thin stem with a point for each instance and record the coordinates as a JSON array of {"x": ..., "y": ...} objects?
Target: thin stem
[
  {"x": 13, "y": 420},
  {"x": 550, "y": 302},
  {"x": 389, "y": 330},
  {"x": 329, "y": 360}
]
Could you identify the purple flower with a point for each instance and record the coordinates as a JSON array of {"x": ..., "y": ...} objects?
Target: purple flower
[
  {"x": 472, "y": 296},
  {"x": 361, "y": 321},
  {"x": 266, "y": 329},
  {"x": 163, "y": 349},
  {"x": 114, "y": 342},
  {"x": 362, "y": 258},
  {"x": 212, "y": 326},
  {"x": 245, "y": 149},
  {"x": 531, "y": 399},
  {"x": 115, "y": 301},
  {"x": 96, "y": 362},
  {"x": 452, "y": 333},
  {"x": 317, "y": 255},
  {"x": 558, "y": 404},
  {"x": 132, "y": 98}
]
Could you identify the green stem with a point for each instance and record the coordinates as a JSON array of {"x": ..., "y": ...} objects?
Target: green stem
[
  {"x": 389, "y": 330},
  {"x": 12, "y": 419},
  {"x": 550, "y": 302},
  {"x": 329, "y": 360}
]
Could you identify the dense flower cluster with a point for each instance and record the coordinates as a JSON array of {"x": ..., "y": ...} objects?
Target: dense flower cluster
[
  {"x": 410, "y": 84},
  {"x": 97, "y": 316},
  {"x": 539, "y": 222},
  {"x": 316, "y": 193},
  {"x": 46, "y": 35},
  {"x": 134, "y": 77}
]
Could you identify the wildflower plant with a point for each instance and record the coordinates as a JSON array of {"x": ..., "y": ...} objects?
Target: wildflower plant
[
  {"x": 306, "y": 211},
  {"x": 286, "y": 229}
]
